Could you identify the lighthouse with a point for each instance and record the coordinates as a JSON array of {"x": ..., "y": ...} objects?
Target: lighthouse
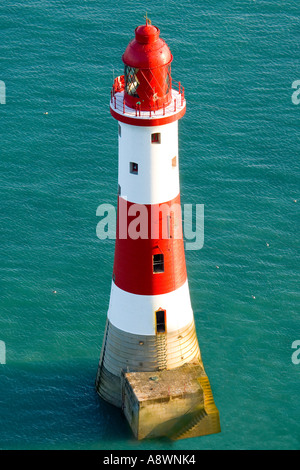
[{"x": 150, "y": 363}]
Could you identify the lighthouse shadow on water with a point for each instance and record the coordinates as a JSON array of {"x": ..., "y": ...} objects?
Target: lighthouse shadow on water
[{"x": 150, "y": 364}]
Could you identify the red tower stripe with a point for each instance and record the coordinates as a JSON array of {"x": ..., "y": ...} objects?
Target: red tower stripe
[{"x": 149, "y": 238}]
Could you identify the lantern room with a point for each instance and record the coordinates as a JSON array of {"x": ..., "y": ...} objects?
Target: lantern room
[{"x": 147, "y": 75}]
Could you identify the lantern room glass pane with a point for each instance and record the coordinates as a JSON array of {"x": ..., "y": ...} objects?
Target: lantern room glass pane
[{"x": 131, "y": 80}]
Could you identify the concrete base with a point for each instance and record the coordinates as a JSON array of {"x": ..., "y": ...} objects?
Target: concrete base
[
  {"x": 123, "y": 351},
  {"x": 176, "y": 403}
]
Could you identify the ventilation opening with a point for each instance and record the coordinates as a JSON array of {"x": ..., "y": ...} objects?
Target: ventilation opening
[
  {"x": 158, "y": 263},
  {"x": 160, "y": 321},
  {"x": 133, "y": 168},
  {"x": 156, "y": 138}
]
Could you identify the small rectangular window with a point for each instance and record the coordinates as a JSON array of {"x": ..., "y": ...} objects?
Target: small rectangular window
[
  {"x": 160, "y": 321},
  {"x": 174, "y": 161},
  {"x": 156, "y": 138},
  {"x": 134, "y": 168},
  {"x": 158, "y": 263},
  {"x": 120, "y": 131}
]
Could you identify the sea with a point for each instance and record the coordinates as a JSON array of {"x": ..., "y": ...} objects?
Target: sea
[{"x": 238, "y": 61}]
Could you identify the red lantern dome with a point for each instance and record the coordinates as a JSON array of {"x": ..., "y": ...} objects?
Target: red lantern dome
[{"x": 147, "y": 60}]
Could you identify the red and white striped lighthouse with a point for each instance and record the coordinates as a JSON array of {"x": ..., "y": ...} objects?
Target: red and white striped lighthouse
[{"x": 150, "y": 322}]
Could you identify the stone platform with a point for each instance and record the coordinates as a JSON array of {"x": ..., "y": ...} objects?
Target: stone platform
[{"x": 176, "y": 403}]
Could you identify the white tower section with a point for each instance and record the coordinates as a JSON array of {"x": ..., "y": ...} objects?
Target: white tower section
[{"x": 155, "y": 179}]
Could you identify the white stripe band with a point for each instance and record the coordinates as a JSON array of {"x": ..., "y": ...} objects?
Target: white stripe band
[{"x": 136, "y": 313}]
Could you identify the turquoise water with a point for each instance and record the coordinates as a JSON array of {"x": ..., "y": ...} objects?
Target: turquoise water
[{"x": 239, "y": 156}]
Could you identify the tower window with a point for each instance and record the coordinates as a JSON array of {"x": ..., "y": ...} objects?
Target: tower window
[
  {"x": 174, "y": 161},
  {"x": 120, "y": 131},
  {"x": 134, "y": 168},
  {"x": 160, "y": 321},
  {"x": 156, "y": 138},
  {"x": 158, "y": 263}
]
